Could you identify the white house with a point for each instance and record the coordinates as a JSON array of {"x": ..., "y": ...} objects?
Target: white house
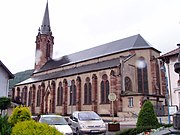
[
  {"x": 169, "y": 59},
  {"x": 5, "y": 75}
]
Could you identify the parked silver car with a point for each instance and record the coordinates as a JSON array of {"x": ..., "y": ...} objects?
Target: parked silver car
[
  {"x": 86, "y": 122},
  {"x": 58, "y": 122}
]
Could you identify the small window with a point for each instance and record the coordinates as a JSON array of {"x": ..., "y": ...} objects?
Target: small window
[{"x": 130, "y": 102}]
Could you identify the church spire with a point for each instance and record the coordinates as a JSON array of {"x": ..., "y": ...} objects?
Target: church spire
[
  {"x": 44, "y": 42},
  {"x": 45, "y": 27}
]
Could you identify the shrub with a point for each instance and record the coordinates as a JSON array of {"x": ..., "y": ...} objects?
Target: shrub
[
  {"x": 5, "y": 102},
  {"x": 33, "y": 128},
  {"x": 5, "y": 127},
  {"x": 147, "y": 117},
  {"x": 19, "y": 114}
]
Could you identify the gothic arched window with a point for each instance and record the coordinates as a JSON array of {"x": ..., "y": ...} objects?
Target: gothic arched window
[
  {"x": 18, "y": 95},
  {"x": 30, "y": 98},
  {"x": 38, "y": 98},
  {"x": 48, "y": 50},
  {"x": 25, "y": 97},
  {"x": 22, "y": 96},
  {"x": 142, "y": 76},
  {"x": 60, "y": 95},
  {"x": 87, "y": 92},
  {"x": 104, "y": 89},
  {"x": 73, "y": 93}
]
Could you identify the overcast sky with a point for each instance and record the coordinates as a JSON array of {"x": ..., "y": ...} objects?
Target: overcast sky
[{"x": 82, "y": 24}]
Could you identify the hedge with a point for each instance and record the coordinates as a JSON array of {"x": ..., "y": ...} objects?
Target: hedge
[{"x": 34, "y": 128}]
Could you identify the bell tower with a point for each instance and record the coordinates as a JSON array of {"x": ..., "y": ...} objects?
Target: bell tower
[{"x": 44, "y": 42}]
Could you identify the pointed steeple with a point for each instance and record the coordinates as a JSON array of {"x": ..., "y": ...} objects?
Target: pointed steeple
[
  {"x": 44, "y": 42},
  {"x": 45, "y": 27}
]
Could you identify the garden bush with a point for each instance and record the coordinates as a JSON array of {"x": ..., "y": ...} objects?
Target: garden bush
[
  {"x": 33, "y": 128},
  {"x": 5, "y": 102},
  {"x": 147, "y": 116},
  {"x": 19, "y": 114},
  {"x": 5, "y": 127}
]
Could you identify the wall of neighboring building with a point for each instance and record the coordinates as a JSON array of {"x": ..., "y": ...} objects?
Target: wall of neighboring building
[
  {"x": 4, "y": 83},
  {"x": 173, "y": 78}
]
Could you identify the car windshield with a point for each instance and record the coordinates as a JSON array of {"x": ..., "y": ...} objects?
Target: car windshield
[
  {"x": 54, "y": 120},
  {"x": 88, "y": 116}
]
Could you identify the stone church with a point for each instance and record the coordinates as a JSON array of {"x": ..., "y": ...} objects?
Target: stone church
[{"x": 128, "y": 67}]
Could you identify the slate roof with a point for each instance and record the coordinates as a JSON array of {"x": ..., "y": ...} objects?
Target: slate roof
[
  {"x": 10, "y": 75},
  {"x": 126, "y": 44},
  {"x": 45, "y": 27},
  {"x": 74, "y": 71},
  {"x": 129, "y": 43}
]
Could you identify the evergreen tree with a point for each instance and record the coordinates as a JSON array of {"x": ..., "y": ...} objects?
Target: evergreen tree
[
  {"x": 5, "y": 102},
  {"x": 147, "y": 116}
]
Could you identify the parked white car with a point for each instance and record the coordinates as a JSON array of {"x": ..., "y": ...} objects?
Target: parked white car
[
  {"x": 58, "y": 122},
  {"x": 86, "y": 122}
]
